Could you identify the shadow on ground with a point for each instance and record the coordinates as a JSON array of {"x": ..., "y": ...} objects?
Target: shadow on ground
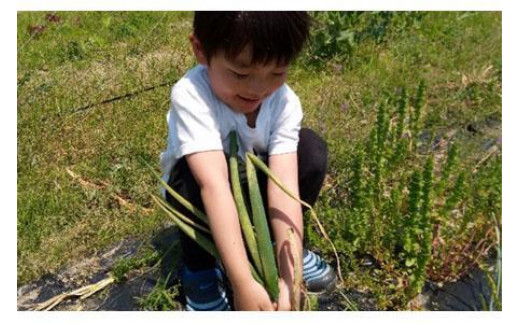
[{"x": 123, "y": 296}]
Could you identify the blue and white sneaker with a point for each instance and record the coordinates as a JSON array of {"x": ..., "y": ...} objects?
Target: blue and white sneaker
[
  {"x": 204, "y": 290},
  {"x": 319, "y": 277}
]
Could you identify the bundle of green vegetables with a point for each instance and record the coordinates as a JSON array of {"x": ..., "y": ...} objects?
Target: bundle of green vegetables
[{"x": 256, "y": 234}]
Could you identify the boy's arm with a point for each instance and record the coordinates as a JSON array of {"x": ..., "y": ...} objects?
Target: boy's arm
[
  {"x": 211, "y": 173},
  {"x": 285, "y": 213}
]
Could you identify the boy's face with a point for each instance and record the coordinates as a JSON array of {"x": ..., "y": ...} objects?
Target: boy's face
[{"x": 240, "y": 84}]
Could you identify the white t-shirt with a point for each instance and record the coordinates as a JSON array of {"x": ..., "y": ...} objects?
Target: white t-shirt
[{"x": 199, "y": 121}]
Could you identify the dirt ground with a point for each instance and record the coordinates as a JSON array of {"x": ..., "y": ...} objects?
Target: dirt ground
[{"x": 465, "y": 294}]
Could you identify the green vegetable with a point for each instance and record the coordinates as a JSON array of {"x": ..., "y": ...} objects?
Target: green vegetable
[
  {"x": 198, "y": 213},
  {"x": 265, "y": 246},
  {"x": 263, "y": 167},
  {"x": 243, "y": 215}
]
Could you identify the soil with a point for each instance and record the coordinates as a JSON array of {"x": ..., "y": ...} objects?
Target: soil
[{"x": 465, "y": 294}]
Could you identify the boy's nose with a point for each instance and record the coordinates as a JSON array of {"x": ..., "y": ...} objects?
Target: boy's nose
[{"x": 256, "y": 92}]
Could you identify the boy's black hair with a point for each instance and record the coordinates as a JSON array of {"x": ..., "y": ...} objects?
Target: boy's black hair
[{"x": 274, "y": 35}]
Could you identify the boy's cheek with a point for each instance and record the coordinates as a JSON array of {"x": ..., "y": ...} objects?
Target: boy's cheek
[
  {"x": 223, "y": 88},
  {"x": 227, "y": 85},
  {"x": 229, "y": 92}
]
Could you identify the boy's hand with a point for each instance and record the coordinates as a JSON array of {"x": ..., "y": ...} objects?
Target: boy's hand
[
  {"x": 251, "y": 296},
  {"x": 285, "y": 299},
  {"x": 285, "y": 296}
]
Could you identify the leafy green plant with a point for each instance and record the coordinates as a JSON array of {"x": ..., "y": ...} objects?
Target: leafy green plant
[
  {"x": 411, "y": 224},
  {"x": 424, "y": 229},
  {"x": 418, "y": 102},
  {"x": 451, "y": 160},
  {"x": 161, "y": 298},
  {"x": 400, "y": 142},
  {"x": 123, "y": 266},
  {"x": 412, "y": 210},
  {"x": 75, "y": 51},
  {"x": 337, "y": 33},
  {"x": 493, "y": 277}
]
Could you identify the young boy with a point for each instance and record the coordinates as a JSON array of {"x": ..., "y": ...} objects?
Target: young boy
[{"x": 239, "y": 85}]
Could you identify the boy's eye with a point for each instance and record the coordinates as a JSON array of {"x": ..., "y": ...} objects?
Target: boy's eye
[
  {"x": 280, "y": 74},
  {"x": 239, "y": 75}
]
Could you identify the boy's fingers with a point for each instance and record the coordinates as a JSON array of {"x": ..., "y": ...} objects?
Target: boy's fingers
[{"x": 267, "y": 306}]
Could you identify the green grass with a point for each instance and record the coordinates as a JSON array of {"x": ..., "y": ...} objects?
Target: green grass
[{"x": 88, "y": 57}]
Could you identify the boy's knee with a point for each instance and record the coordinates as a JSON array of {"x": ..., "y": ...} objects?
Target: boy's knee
[
  {"x": 182, "y": 181},
  {"x": 312, "y": 151}
]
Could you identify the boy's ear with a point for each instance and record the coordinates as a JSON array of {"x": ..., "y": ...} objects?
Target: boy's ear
[{"x": 197, "y": 50}]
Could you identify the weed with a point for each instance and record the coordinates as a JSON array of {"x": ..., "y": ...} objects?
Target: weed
[
  {"x": 338, "y": 34},
  {"x": 75, "y": 51},
  {"x": 400, "y": 209},
  {"x": 123, "y": 266},
  {"x": 162, "y": 298}
]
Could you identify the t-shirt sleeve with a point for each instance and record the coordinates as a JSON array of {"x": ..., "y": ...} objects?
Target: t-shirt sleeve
[
  {"x": 192, "y": 122},
  {"x": 286, "y": 123}
]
